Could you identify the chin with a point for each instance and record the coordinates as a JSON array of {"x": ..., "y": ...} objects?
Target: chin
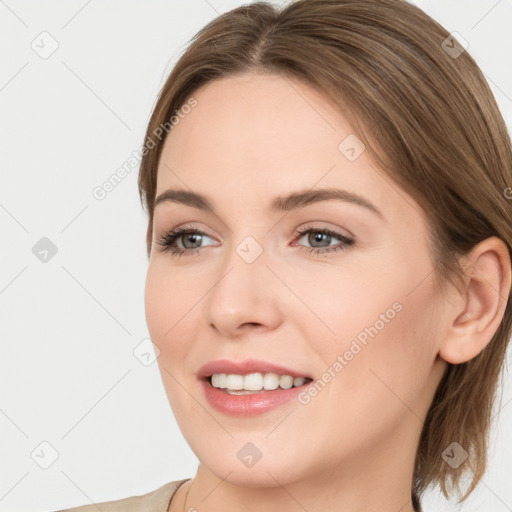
[{"x": 224, "y": 456}]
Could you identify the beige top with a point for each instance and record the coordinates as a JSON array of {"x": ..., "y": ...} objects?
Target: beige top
[{"x": 155, "y": 501}]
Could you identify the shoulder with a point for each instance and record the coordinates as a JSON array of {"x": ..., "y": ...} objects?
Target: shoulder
[{"x": 155, "y": 501}]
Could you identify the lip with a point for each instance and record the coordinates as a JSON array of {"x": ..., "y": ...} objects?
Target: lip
[
  {"x": 248, "y": 405},
  {"x": 253, "y": 404},
  {"x": 245, "y": 367}
]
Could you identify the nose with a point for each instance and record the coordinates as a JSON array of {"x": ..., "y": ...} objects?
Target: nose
[{"x": 245, "y": 296}]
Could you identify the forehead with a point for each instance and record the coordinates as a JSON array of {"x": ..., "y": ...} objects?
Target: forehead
[
  {"x": 266, "y": 100},
  {"x": 251, "y": 138},
  {"x": 260, "y": 126}
]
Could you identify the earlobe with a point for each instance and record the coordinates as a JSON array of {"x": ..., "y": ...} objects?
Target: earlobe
[{"x": 478, "y": 312}]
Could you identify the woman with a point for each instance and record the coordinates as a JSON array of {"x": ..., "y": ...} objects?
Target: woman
[{"x": 329, "y": 240}]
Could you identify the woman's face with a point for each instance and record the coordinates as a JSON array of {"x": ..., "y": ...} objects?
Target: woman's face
[{"x": 357, "y": 314}]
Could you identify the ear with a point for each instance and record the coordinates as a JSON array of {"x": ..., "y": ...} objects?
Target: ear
[{"x": 476, "y": 313}]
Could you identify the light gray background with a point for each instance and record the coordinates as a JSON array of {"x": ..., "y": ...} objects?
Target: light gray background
[{"x": 68, "y": 327}]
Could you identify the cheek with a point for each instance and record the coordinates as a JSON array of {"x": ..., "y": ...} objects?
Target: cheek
[
  {"x": 390, "y": 368},
  {"x": 168, "y": 301},
  {"x": 167, "y": 304},
  {"x": 342, "y": 303},
  {"x": 169, "y": 310},
  {"x": 376, "y": 320}
]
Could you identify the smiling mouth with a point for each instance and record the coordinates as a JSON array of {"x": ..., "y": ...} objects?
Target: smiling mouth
[{"x": 255, "y": 383}]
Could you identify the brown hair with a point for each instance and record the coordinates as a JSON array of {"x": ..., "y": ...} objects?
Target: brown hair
[{"x": 426, "y": 114}]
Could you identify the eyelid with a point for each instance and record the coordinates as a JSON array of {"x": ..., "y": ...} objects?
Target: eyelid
[
  {"x": 182, "y": 226},
  {"x": 312, "y": 224},
  {"x": 320, "y": 225}
]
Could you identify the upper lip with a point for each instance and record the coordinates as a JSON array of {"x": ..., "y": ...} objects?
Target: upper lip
[{"x": 245, "y": 367}]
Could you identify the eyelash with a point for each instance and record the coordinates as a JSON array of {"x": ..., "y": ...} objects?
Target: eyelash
[{"x": 167, "y": 240}]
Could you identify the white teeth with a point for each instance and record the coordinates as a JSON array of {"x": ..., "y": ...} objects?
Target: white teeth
[
  {"x": 286, "y": 381},
  {"x": 234, "y": 381},
  {"x": 298, "y": 381},
  {"x": 255, "y": 381},
  {"x": 271, "y": 381}
]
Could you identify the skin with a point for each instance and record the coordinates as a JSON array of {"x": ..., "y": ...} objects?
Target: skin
[{"x": 352, "y": 447}]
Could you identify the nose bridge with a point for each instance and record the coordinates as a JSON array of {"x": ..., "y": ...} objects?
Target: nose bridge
[
  {"x": 250, "y": 242},
  {"x": 243, "y": 271},
  {"x": 243, "y": 291}
]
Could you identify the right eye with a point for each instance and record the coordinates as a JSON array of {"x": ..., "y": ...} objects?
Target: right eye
[{"x": 167, "y": 241}]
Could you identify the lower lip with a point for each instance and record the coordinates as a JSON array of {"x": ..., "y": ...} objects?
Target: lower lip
[{"x": 248, "y": 405}]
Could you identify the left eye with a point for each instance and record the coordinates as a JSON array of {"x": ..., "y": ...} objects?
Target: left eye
[
  {"x": 317, "y": 235},
  {"x": 194, "y": 236}
]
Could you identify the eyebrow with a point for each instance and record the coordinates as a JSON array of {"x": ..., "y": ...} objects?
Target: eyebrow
[{"x": 287, "y": 203}]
